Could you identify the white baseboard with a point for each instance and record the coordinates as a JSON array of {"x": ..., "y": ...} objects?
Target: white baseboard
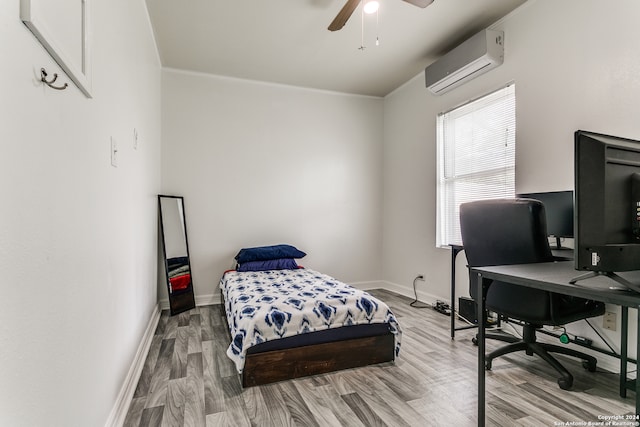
[
  {"x": 209, "y": 299},
  {"x": 367, "y": 285},
  {"x": 212, "y": 299},
  {"x": 408, "y": 292},
  {"x": 121, "y": 406}
]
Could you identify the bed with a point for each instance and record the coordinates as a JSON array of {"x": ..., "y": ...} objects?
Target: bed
[{"x": 292, "y": 322}]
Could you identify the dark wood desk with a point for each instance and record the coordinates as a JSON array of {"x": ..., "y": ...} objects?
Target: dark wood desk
[{"x": 555, "y": 277}]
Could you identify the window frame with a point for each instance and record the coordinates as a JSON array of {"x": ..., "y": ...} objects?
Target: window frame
[{"x": 447, "y": 200}]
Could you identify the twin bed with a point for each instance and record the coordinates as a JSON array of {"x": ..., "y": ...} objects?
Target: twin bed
[{"x": 287, "y": 322}]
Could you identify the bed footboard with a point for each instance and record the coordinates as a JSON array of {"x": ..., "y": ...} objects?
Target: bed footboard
[{"x": 279, "y": 365}]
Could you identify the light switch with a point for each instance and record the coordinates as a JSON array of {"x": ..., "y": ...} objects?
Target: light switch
[{"x": 114, "y": 152}]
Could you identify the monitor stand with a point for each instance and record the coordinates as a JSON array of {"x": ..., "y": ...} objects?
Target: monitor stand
[
  {"x": 558, "y": 244},
  {"x": 626, "y": 285}
]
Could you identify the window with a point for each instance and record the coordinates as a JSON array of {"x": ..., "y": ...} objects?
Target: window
[{"x": 476, "y": 157}]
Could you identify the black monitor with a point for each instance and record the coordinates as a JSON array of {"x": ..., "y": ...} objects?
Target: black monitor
[
  {"x": 558, "y": 206},
  {"x": 607, "y": 205}
]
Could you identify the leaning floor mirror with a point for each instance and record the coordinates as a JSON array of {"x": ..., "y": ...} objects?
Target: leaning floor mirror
[{"x": 175, "y": 251}]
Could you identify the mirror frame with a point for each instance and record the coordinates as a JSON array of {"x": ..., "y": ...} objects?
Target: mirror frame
[{"x": 182, "y": 300}]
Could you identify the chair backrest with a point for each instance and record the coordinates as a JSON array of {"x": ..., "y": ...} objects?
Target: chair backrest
[
  {"x": 514, "y": 231},
  {"x": 504, "y": 232}
]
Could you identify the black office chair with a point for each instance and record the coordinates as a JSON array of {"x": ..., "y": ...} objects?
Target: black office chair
[{"x": 513, "y": 231}]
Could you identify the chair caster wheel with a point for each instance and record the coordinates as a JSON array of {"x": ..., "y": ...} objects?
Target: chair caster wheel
[
  {"x": 487, "y": 365},
  {"x": 565, "y": 383},
  {"x": 589, "y": 365},
  {"x": 474, "y": 340}
]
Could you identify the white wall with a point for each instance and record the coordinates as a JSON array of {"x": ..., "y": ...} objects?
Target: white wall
[
  {"x": 77, "y": 236},
  {"x": 261, "y": 164},
  {"x": 576, "y": 66},
  {"x": 257, "y": 164}
]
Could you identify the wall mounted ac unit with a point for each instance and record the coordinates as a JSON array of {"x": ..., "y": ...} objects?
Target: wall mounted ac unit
[{"x": 468, "y": 60}]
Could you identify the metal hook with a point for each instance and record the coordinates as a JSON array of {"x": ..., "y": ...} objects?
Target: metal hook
[{"x": 43, "y": 79}]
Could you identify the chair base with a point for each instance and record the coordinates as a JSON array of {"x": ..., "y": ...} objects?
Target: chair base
[{"x": 529, "y": 345}]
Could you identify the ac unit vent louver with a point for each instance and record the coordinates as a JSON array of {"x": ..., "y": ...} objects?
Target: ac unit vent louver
[{"x": 468, "y": 60}]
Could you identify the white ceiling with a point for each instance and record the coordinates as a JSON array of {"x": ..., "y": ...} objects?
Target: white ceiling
[{"x": 287, "y": 41}]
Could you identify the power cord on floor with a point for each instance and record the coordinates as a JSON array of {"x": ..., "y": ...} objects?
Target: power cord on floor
[
  {"x": 415, "y": 303},
  {"x": 462, "y": 318},
  {"x": 601, "y": 337}
]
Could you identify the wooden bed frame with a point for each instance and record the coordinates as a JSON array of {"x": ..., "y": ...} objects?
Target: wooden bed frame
[{"x": 279, "y": 365}]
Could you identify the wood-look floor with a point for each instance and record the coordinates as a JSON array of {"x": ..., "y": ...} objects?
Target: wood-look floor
[{"x": 188, "y": 380}]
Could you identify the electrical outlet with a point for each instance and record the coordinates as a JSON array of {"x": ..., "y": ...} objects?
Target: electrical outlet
[{"x": 609, "y": 321}]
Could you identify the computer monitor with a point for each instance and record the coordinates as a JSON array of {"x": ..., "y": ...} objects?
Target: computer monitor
[
  {"x": 558, "y": 206},
  {"x": 607, "y": 205}
]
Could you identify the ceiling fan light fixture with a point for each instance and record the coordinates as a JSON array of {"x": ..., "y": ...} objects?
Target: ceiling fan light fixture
[{"x": 371, "y": 7}]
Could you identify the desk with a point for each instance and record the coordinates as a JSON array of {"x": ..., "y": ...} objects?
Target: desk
[
  {"x": 563, "y": 254},
  {"x": 555, "y": 277}
]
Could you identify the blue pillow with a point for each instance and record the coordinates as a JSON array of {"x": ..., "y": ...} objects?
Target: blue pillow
[
  {"x": 270, "y": 264},
  {"x": 265, "y": 253}
]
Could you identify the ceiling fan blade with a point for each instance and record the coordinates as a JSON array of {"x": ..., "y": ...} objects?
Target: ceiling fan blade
[
  {"x": 420, "y": 3},
  {"x": 344, "y": 15}
]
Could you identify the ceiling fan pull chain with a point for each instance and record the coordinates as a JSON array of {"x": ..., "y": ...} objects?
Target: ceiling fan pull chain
[
  {"x": 377, "y": 27},
  {"x": 362, "y": 46}
]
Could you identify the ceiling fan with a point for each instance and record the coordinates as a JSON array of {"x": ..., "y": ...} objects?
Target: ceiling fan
[{"x": 351, "y": 5}]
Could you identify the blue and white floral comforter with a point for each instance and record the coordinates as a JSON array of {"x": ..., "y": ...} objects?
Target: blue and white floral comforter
[{"x": 268, "y": 305}]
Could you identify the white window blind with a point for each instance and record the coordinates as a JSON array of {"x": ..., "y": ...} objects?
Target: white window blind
[{"x": 476, "y": 157}]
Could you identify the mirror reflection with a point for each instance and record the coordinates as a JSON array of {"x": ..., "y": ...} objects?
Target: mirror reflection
[{"x": 176, "y": 253}]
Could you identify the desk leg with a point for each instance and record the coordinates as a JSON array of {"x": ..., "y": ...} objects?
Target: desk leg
[
  {"x": 624, "y": 337},
  {"x": 481, "y": 348},
  {"x": 454, "y": 252},
  {"x": 637, "y": 353}
]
